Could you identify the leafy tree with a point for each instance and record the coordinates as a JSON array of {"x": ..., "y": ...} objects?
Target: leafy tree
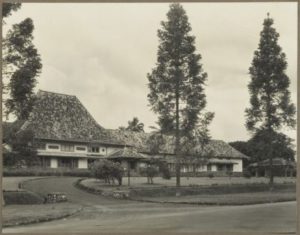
[
  {"x": 7, "y": 8},
  {"x": 21, "y": 66},
  {"x": 107, "y": 170},
  {"x": 135, "y": 125},
  {"x": 246, "y": 148},
  {"x": 150, "y": 172},
  {"x": 281, "y": 146},
  {"x": 23, "y": 150},
  {"x": 177, "y": 82},
  {"x": 156, "y": 142},
  {"x": 270, "y": 104}
]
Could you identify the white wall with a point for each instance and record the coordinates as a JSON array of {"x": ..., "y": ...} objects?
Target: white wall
[
  {"x": 239, "y": 166},
  {"x": 82, "y": 163},
  {"x": 53, "y": 162},
  {"x": 213, "y": 167}
]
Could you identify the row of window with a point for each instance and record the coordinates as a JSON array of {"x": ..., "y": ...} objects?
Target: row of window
[
  {"x": 71, "y": 148},
  {"x": 190, "y": 168}
]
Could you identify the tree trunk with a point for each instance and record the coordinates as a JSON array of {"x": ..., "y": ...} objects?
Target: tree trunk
[
  {"x": 128, "y": 172},
  {"x": 271, "y": 183},
  {"x": 177, "y": 140}
]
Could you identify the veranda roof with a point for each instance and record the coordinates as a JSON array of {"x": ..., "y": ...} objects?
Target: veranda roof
[
  {"x": 276, "y": 162},
  {"x": 221, "y": 161},
  {"x": 126, "y": 153}
]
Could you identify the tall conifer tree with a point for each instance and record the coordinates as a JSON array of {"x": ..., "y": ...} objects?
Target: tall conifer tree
[
  {"x": 177, "y": 82},
  {"x": 270, "y": 104}
]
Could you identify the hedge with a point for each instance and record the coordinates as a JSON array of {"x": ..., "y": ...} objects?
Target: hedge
[
  {"x": 46, "y": 172},
  {"x": 21, "y": 197}
]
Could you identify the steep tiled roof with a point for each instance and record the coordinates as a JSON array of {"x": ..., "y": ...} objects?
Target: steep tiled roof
[{"x": 63, "y": 117}]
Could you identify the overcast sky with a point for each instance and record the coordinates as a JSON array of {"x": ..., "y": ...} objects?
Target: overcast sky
[{"x": 101, "y": 53}]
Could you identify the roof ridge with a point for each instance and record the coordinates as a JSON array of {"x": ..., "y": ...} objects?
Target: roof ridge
[{"x": 56, "y": 93}]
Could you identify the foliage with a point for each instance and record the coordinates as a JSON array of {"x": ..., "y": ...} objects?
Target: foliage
[
  {"x": 247, "y": 174},
  {"x": 270, "y": 104},
  {"x": 22, "y": 197},
  {"x": 23, "y": 153},
  {"x": 149, "y": 171},
  {"x": 155, "y": 142},
  {"x": 177, "y": 71},
  {"x": 107, "y": 170},
  {"x": 271, "y": 107},
  {"x": 134, "y": 125},
  {"x": 177, "y": 82},
  {"x": 268, "y": 142},
  {"x": 39, "y": 171},
  {"x": 21, "y": 66},
  {"x": 164, "y": 170},
  {"x": 8, "y": 8}
]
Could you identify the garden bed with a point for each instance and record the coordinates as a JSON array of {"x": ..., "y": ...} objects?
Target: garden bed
[{"x": 209, "y": 194}]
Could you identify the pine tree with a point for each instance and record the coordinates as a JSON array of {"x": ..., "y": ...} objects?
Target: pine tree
[
  {"x": 270, "y": 104},
  {"x": 177, "y": 82},
  {"x": 22, "y": 64}
]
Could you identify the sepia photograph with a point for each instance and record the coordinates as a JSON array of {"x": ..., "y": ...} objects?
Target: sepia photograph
[{"x": 151, "y": 117}]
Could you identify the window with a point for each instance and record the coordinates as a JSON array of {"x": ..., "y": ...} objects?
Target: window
[
  {"x": 95, "y": 149},
  {"x": 208, "y": 167},
  {"x": 67, "y": 147},
  {"x": 81, "y": 148},
  {"x": 68, "y": 162},
  {"x": 53, "y": 147}
]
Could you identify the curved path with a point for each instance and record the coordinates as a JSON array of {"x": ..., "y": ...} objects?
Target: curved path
[{"x": 102, "y": 214}]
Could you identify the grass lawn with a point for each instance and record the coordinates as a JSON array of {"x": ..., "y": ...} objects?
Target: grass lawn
[
  {"x": 24, "y": 214},
  {"x": 11, "y": 183},
  {"x": 215, "y": 191},
  {"x": 229, "y": 199}
]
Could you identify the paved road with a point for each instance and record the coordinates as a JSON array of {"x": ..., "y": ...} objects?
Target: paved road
[{"x": 102, "y": 214}]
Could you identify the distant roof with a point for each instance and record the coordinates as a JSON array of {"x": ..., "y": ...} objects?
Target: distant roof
[
  {"x": 275, "y": 162},
  {"x": 63, "y": 117},
  {"x": 126, "y": 153},
  {"x": 215, "y": 148}
]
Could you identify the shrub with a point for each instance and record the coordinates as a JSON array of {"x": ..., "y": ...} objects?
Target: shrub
[
  {"x": 107, "y": 170},
  {"x": 149, "y": 172},
  {"x": 165, "y": 171},
  {"x": 210, "y": 175},
  {"x": 21, "y": 197},
  {"x": 247, "y": 174}
]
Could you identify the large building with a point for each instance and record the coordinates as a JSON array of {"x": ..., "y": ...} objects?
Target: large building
[{"x": 66, "y": 135}]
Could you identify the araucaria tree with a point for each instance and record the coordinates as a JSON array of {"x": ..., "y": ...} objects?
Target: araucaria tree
[
  {"x": 177, "y": 82},
  {"x": 21, "y": 66},
  {"x": 270, "y": 104}
]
